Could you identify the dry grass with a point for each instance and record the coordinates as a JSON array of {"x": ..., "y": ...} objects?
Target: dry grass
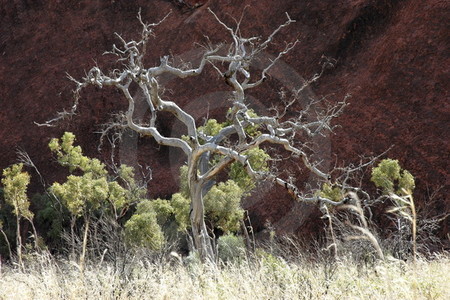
[{"x": 265, "y": 278}]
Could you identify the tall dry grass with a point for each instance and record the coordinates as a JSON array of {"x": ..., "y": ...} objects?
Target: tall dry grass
[{"x": 263, "y": 277}]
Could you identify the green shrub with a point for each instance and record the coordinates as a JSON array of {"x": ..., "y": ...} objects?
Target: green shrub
[
  {"x": 391, "y": 178},
  {"x": 258, "y": 160},
  {"x": 331, "y": 192},
  {"x": 142, "y": 229},
  {"x": 222, "y": 206}
]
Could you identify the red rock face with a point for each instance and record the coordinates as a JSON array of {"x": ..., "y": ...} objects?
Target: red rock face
[{"x": 391, "y": 56}]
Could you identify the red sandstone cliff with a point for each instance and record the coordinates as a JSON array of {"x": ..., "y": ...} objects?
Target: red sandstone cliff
[{"x": 391, "y": 56}]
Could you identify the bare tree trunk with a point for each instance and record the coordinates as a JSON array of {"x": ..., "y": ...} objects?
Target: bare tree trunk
[
  {"x": 248, "y": 242},
  {"x": 36, "y": 241},
  {"x": 202, "y": 241},
  {"x": 333, "y": 245},
  {"x": 85, "y": 238},
  {"x": 19, "y": 243},
  {"x": 72, "y": 236},
  {"x": 413, "y": 226}
]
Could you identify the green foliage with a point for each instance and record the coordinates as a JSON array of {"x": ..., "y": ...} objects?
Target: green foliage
[
  {"x": 331, "y": 192},
  {"x": 181, "y": 207},
  {"x": 252, "y": 130},
  {"x": 94, "y": 189},
  {"x": 222, "y": 206},
  {"x": 15, "y": 183},
  {"x": 231, "y": 248},
  {"x": 384, "y": 175},
  {"x": 48, "y": 219},
  {"x": 81, "y": 193},
  {"x": 222, "y": 202},
  {"x": 390, "y": 177},
  {"x": 211, "y": 128},
  {"x": 163, "y": 209},
  {"x": 126, "y": 173},
  {"x": 406, "y": 183},
  {"x": 257, "y": 158},
  {"x": 142, "y": 229},
  {"x": 132, "y": 192},
  {"x": 7, "y": 225},
  {"x": 72, "y": 156}
]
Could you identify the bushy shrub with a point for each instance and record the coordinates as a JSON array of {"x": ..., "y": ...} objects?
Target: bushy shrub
[
  {"x": 399, "y": 185},
  {"x": 142, "y": 229},
  {"x": 222, "y": 206},
  {"x": 94, "y": 189},
  {"x": 331, "y": 192},
  {"x": 100, "y": 199},
  {"x": 391, "y": 178}
]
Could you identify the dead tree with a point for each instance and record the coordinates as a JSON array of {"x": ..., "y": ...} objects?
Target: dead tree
[{"x": 233, "y": 64}]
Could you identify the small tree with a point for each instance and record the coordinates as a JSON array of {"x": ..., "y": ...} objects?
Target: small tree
[
  {"x": 94, "y": 190},
  {"x": 398, "y": 185},
  {"x": 15, "y": 183},
  {"x": 209, "y": 152}
]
